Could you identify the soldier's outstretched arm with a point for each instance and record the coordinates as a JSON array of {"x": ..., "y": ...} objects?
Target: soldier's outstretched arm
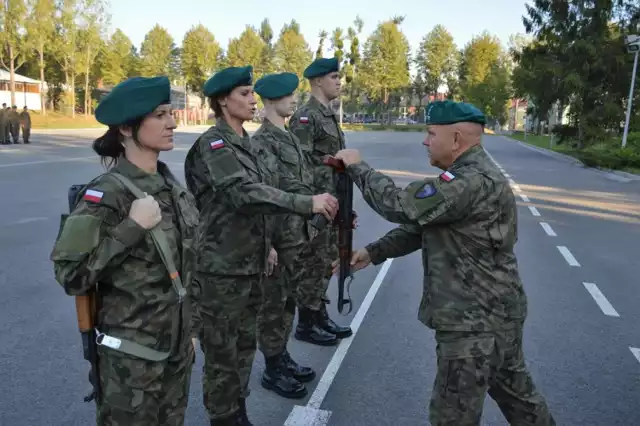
[
  {"x": 401, "y": 241},
  {"x": 444, "y": 199},
  {"x": 88, "y": 245},
  {"x": 228, "y": 176}
]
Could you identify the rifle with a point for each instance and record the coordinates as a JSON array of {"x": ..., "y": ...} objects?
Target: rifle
[
  {"x": 86, "y": 308},
  {"x": 344, "y": 221}
]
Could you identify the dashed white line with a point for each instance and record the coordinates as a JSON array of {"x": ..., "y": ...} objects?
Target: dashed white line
[
  {"x": 568, "y": 256},
  {"x": 548, "y": 229},
  {"x": 311, "y": 414},
  {"x": 29, "y": 220},
  {"x": 602, "y": 301},
  {"x": 524, "y": 198},
  {"x": 534, "y": 211},
  {"x": 59, "y": 160},
  {"x": 636, "y": 353},
  {"x": 505, "y": 174}
]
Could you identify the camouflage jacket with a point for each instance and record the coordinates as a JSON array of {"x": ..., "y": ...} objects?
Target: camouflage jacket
[
  {"x": 465, "y": 221},
  {"x": 319, "y": 132},
  {"x": 281, "y": 152},
  {"x": 234, "y": 191},
  {"x": 99, "y": 243}
]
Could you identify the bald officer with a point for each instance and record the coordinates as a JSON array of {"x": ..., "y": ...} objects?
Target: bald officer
[{"x": 465, "y": 221}]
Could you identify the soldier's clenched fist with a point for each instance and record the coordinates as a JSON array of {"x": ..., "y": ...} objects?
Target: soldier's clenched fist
[{"x": 146, "y": 212}]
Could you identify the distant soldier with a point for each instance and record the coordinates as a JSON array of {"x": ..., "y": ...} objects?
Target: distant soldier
[
  {"x": 3, "y": 124},
  {"x": 14, "y": 124},
  {"x": 25, "y": 122}
]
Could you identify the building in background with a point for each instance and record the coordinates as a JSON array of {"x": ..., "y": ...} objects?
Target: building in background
[{"x": 27, "y": 91}]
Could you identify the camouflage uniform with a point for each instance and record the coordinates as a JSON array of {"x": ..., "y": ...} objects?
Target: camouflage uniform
[
  {"x": 98, "y": 242},
  {"x": 282, "y": 155},
  {"x": 25, "y": 123},
  {"x": 3, "y": 125},
  {"x": 465, "y": 221},
  {"x": 236, "y": 202},
  {"x": 14, "y": 124},
  {"x": 319, "y": 132}
]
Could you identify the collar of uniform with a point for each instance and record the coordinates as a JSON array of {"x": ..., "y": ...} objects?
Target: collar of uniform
[
  {"x": 470, "y": 156},
  {"x": 231, "y": 136},
  {"x": 325, "y": 110},
  {"x": 284, "y": 135},
  {"x": 149, "y": 183}
]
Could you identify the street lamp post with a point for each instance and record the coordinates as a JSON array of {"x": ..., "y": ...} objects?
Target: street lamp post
[{"x": 633, "y": 46}]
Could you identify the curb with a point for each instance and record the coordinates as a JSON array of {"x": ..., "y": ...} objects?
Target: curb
[{"x": 616, "y": 175}]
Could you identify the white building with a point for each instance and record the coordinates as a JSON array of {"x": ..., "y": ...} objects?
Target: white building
[{"x": 27, "y": 91}]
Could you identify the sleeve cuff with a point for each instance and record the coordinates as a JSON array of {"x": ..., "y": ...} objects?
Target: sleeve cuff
[
  {"x": 128, "y": 232},
  {"x": 375, "y": 253},
  {"x": 303, "y": 204}
]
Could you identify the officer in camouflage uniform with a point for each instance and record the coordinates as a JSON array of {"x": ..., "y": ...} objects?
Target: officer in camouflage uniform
[
  {"x": 106, "y": 241},
  {"x": 319, "y": 132},
  {"x": 25, "y": 123},
  {"x": 14, "y": 124},
  {"x": 236, "y": 203},
  {"x": 4, "y": 119},
  {"x": 465, "y": 221},
  {"x": 281, "y": 152}
]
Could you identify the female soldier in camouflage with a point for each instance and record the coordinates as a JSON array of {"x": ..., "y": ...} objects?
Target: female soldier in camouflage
[
  {"x": 234, "y": 192},
  {"x": 145, "y": 319}
]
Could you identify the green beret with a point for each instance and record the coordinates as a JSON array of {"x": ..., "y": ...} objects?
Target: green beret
[
  {"x": 275, "y": 86},
  {"x": 133, "y": 98},
  {"x": 321, "y": 66},
  {"x": 450, "y": 112},
  {"x": 227, "y": 79}
]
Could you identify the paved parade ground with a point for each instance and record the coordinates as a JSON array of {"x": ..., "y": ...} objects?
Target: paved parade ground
[{"x": 579, "y": 237}]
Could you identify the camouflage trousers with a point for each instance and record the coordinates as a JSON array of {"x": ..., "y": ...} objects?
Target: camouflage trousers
[
  {"x": 144, "y": 393},
  {"x": 275, "y": 320},
  {"x": 472, "y": 364},
  {"x": 316, "y": 258},
  {"x": 229, "y": 307}
]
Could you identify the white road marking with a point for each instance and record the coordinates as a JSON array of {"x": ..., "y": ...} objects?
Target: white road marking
[
  {"x": 636, "y": 353},
  {"x": 506, "y": 174},
  {"x": 524, "y": 198},
  {"x": 311, "y": 414},
  {"x": 512, "y": 182},
  {"x": 602, "y": 301},
  {"x": 547, "y": 228},
  {"x": 534, "y": 211},
  {"x": 517, "y": 188},
  {"x": 29, "y": 220},
  {"x": 59, "y": 160},
  {"x": 568, "y": 256}
]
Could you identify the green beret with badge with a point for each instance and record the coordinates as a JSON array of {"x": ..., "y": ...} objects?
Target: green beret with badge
[
  {"x": 274, "y": 86},
  {"x": 321, "y": 67},
  {"x": 450, "y": 112},
  {"x": 133, "y": 98},
  {"x": 228, "y": 79}
]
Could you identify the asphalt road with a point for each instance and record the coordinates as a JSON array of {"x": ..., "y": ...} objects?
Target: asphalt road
[{"x": 580, "y": 336}]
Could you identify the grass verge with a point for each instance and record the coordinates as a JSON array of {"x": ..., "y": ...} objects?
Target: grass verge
[{"x": 54, "y": 120}]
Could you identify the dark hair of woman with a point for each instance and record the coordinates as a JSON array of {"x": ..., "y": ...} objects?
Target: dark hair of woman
[
  {"x": 215, "y": 105},
  {"x": 109, "y": 146}
]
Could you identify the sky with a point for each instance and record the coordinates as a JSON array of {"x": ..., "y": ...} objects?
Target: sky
[{"x": 226, "y": 20}]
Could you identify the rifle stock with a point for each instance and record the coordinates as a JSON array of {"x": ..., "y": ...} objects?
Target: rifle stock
[
  {"x": 344, "y": 221},
  {"x": 86, "y": 309}
]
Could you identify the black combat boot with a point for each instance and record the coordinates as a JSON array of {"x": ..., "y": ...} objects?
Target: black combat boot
[
  {"x": 300, "y": 373},
  {"x": 278, "y": 378},
  {"x": 241, "y": 415},
  {"x": 309, "y": 329},
  {"x": 329, "y": 326}
]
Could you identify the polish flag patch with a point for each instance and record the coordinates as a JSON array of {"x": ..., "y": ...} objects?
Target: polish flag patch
[
  {"x": 447, "y": 176},
  {"x": 217, "y": 144},
  {"x": 93, "y": 196},
  {"x": 304, "y": 120}
]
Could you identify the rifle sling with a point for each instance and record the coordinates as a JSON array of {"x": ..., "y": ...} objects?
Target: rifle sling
[{"x": 162, "y": 245}]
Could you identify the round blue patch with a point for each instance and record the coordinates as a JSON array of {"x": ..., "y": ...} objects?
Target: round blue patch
[{"x": 427, "y": 191}]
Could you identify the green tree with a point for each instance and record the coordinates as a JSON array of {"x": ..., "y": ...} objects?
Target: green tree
[
  {"x": 40, "y": 31},
  {"x": 14, "y": 48},
  {"x": 94, "y": 20},
  {"x": 248, "y": 49},
  {"x": 268, "y": 55},
  {"x": 119, "y": 61},
  {"x": 354, "y": 59},
  {"x": 158, "y": 53},
  {"x": 67, "y": 49},
  {"x": 436, "y": 59},
  {"x": 322, "y": 36},
  {"x": 292, "y": 50},
  {"x": 337, "y": 44},
  {"x": 385, "y": 62},
  {"x": 200, "y": 57}
]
